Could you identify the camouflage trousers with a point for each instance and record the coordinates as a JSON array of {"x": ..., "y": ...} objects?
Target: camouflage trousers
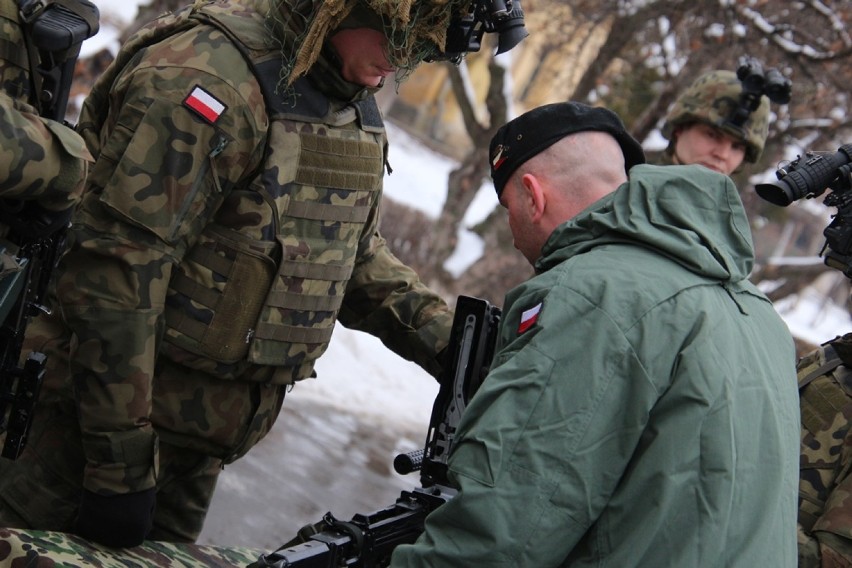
[
  {"x": 202, "y": 423},
  {"x": 42, "y": 488}
]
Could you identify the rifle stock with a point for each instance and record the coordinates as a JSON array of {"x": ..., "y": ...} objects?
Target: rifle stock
[{"x": 368, "y": 540}]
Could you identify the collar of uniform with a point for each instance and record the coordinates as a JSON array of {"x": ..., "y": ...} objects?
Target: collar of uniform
[{"x": 325, "y": 77}]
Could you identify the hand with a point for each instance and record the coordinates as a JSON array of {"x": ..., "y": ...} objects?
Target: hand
[
  {"x": 444, "y": 359},
  {"x": 119, "y": 521}
]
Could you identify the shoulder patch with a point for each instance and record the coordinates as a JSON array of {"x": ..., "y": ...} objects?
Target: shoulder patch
[
  {"x": 204, "y": 104},
  {"x": 529, "y": 317}
]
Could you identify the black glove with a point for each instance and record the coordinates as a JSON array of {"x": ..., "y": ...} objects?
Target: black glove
[
  {"x": 120, "y": 521},
  {"x": 444, "y": 360}
]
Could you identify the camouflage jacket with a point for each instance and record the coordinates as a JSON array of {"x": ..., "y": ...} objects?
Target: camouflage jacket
[
  {"x": 223, "y": 234},
  {"x": 825, "y": 486}
]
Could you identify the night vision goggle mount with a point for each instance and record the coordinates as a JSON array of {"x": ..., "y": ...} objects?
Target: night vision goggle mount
[
  {"x": 464, "y": 35},
  {"x": 755, "y": 83}
]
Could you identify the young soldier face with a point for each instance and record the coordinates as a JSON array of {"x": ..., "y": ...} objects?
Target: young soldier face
[
  {"x": 363, "y": 55},
  {"x": 710, "y": 147}
]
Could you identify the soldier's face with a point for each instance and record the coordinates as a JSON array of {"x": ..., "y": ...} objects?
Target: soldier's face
[
  {"x": 363, "y": 55},
  {"x": 709, "y": 146}
]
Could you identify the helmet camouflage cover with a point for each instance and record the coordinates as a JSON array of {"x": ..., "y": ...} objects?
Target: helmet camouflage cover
[
  {"x": 712, "y": 99},
  {"x": 415, "y": 29}
]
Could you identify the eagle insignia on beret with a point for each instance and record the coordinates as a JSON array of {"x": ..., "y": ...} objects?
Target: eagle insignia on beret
[{"x": 499, "y": 156}]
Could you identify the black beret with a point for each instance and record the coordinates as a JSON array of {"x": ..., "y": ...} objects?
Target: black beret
[{"x": 525, "y": 136}]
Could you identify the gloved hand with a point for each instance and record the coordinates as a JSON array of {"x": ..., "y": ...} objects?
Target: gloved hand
[
  {"x": 120, "y": 521},
  {"x": 444, "y": 359}
]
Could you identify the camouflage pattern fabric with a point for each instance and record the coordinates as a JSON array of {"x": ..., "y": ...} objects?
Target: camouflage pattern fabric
[
  {"x": 43, "y": 162},
  {"x": 711, "y": 99},
  {"x": 415, "y": 30},
  {"x": 14, "y": 61},
  {"x": 224, "y": 230},
  {"x": 825, "y": 486},
  {"x": 43, "y": 549},
  {"x": 42, "y": 159}
]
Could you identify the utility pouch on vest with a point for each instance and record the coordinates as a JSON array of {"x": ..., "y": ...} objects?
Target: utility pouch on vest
[{"x": 216, "y": 294}]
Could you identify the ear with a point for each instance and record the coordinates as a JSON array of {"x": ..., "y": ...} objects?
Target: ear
[{"x": 535, "y": 196}]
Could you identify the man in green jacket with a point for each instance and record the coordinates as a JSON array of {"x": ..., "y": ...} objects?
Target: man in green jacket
[{"x": 641, "y": 409}]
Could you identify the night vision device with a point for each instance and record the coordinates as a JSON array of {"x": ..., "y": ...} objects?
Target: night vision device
[
  {"x": 809, "y": 176},
  {"x": 465, "y": 33},
  {"x": 755, "y": 83}
]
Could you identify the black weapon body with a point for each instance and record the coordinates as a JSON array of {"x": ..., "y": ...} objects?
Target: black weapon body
[
  {"x": 368, "y": 540},
  {"x": 20, "y": 384},
  {"x": 54, "y": 32},
  {"x": 808, "y": 177}
]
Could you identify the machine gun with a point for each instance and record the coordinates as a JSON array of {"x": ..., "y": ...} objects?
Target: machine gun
[
  {"x": 809, "y": 176},
  {"x": 54, "y": 31},
  {"x": 368, "y": 540}
]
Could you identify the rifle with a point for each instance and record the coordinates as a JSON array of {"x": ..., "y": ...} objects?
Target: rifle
[
  {"x": 54, "y": 31},
  {"x": 368, "y": 540}
]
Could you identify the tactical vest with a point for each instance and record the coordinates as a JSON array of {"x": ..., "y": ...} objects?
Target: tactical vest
[
  {"x": 825, "y": 390},
  {"x": 236, "y": 299}
]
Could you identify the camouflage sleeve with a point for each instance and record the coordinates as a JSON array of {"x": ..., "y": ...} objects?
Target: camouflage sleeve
[
  {"x": 829, "y": 543},
  {"x": 44, "y": 160},
  {"x": 387, "y": 299},
  {"x": 825, "y": 483},
  {"x": 163, "y": 166}
]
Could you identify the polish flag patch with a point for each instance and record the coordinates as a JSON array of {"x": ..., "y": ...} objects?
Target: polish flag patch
[
  {"x": 204, "y": 104},
  {"x": 529, "y": 317}
]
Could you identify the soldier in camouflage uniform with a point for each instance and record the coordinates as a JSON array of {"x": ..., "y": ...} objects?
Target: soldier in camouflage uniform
[
  {"x": 825, "y": 484},
  {"x": 230, "y": 219},
  {"x": 43, "y": 161},
  {"x": 698, "y": 130}
]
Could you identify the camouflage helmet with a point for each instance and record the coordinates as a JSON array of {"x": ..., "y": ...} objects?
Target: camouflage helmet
[
  {"x": 712, "y": 99},
  {"x": 415, "y": 29}
]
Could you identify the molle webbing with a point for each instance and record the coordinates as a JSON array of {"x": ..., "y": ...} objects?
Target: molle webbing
[
  {"x": 832, "y": 361},
  {"x": 338, "y": 163},
  {"x": 12, "y": 51},
  {"x": 326, "y": 212},
  {"x": 297, "y": 300},
  {"x": 821, "y": 401},
  {"x": 222, "y": 323}
]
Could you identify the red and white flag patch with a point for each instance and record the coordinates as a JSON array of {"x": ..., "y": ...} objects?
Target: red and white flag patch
[
  {"x": 529, "y": 317},
  {"x": 204, "y": 104}
]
